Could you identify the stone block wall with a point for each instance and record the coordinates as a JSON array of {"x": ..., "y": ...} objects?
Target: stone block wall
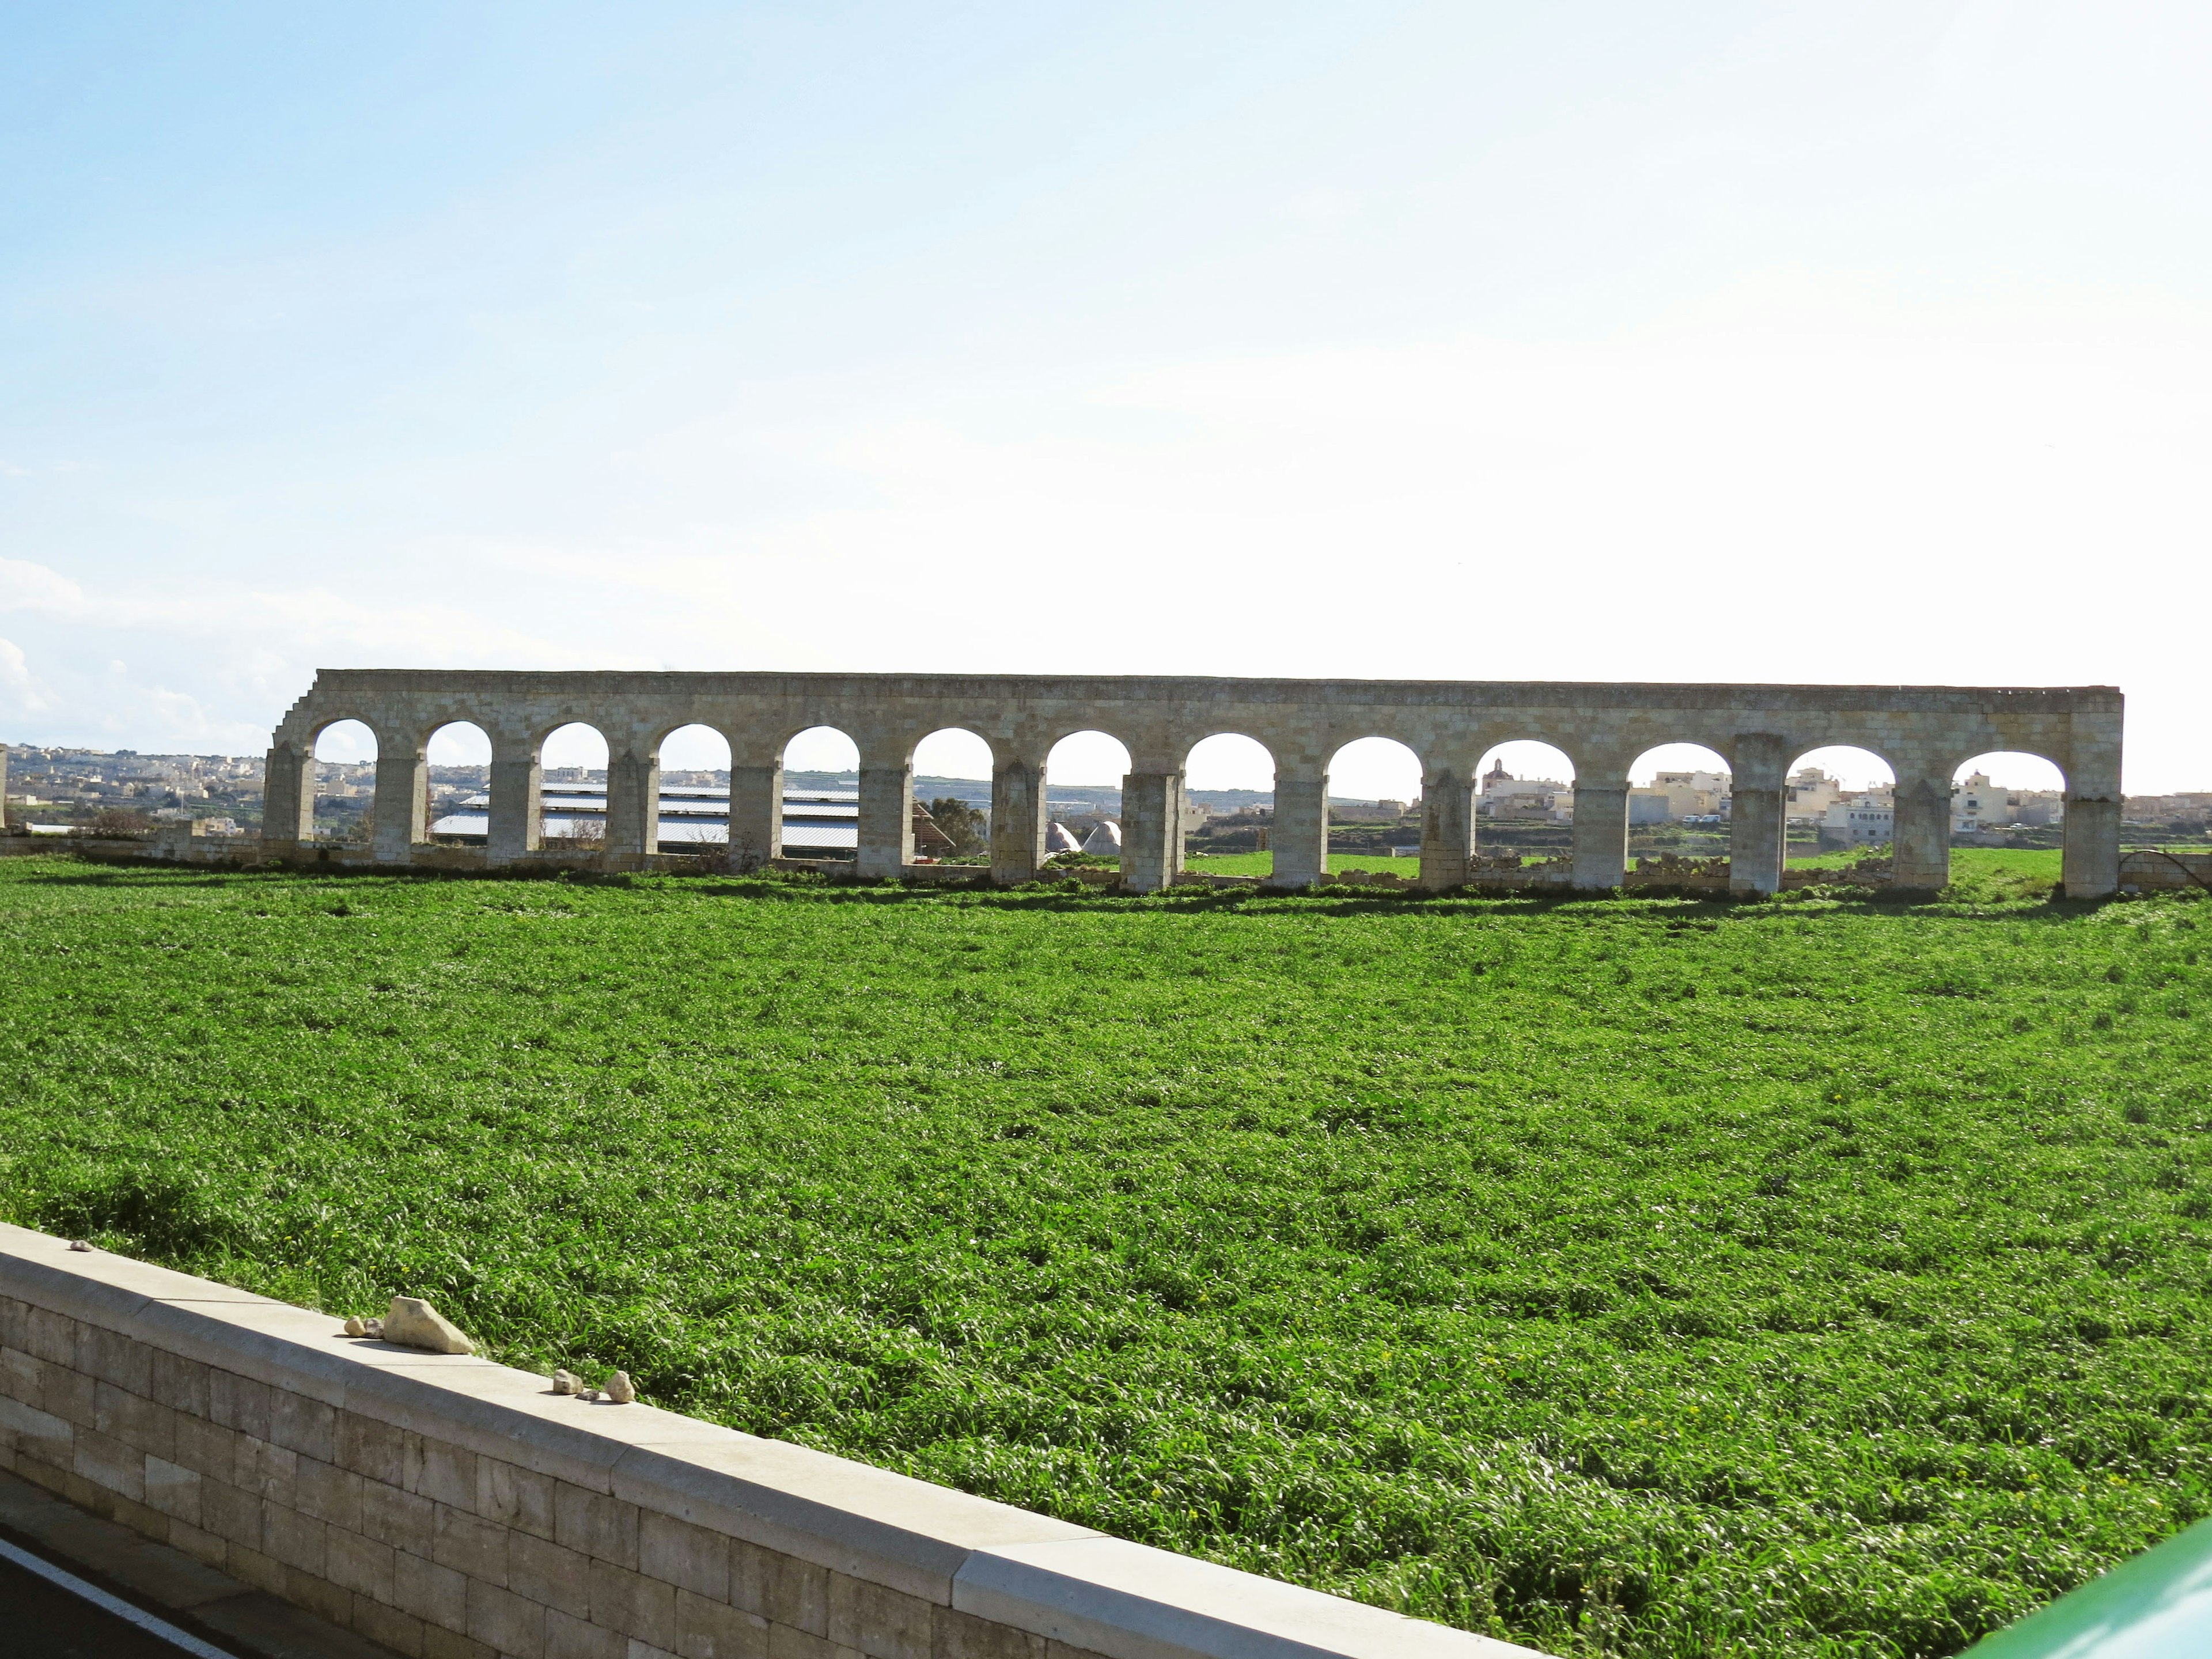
[
  {"x": 2147, "y": 870},
  {"x": 450, "y": 1507}
]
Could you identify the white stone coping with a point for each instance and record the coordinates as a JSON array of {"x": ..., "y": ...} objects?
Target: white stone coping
[{"x": 999, "y": 1563}]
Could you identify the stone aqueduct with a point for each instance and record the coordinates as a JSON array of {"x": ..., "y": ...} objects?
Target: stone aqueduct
[{"x": 1923, "y": 733}]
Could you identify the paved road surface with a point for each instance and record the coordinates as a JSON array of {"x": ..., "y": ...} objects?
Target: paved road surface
[{"x": 40, "y": 1620}]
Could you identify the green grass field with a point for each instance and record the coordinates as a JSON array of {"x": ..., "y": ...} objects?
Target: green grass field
[
  {"x": 2033, "y": 866},
  {"x": 1808, "y": 1277},
  {"x": 1262, "y": 864}
]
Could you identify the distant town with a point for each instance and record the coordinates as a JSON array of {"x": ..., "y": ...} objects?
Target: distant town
[{"x": 64, "y": 791}]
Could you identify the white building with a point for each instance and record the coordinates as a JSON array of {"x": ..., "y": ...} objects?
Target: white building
[
  {"x": 1808, "y": 794},
  {"x": 1690, "y": 795},
  {"x": 1977, "y": 803},
  {"x": 1861, "y": 820},
  {"x": 1504, "y": 796}
]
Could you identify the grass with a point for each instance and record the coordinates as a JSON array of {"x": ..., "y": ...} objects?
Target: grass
[
  {"x": 1806, "y": 1276},
  {"x": 1263, "y": 864},
  {"x": 1975, "y": 864}
]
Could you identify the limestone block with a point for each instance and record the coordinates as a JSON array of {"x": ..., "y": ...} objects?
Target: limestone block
[{"x": 413, "y": 1323}]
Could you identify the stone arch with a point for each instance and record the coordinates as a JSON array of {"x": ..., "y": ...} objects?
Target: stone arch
[
  {"x": 954, "y": 747},
  {"x": 1522, "y": 801},
  {"x": 820, "y": 810},
  {"x": 694, "y": 748},
  {"x": 2016, "y": 768},
  {"x": 572, "y": 749},
  {"x": 349, "y": 747},
  {"x": 950, "y": 819},
  {"x": 1089, "y": 758},
  {"x": 1374, "y": 763},
  {"x": 1839, "y": 797},
  {"x": 1524, "y": 756},
  {"x": 1229, "y": 759},
  {"x": 574, "y": 807},
  {"x": 690, "y": 766},
  {"x": 459, "y": 742},
  {"x": 821, "y": 748},
  {"x": 2025, "y": 774},
  {"x": 1680, "y": 755},
  {"x": 339, "y": 786},
  {"x": 1387, "y": 770},
  {"x": 1992, "y": 790},
  {"x": 456, "y": 780},
  {"x": 1293, "y": 812},
  {"x": 1681, "y": 796},
  {"x": 1079, "y": 790}
]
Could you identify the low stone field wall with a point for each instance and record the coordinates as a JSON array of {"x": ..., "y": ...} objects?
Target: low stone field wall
[
  {"x": 450, "y": 1507},
  {"x": 2149, "y": 872},
  {"x": 167, "y": 846},
  {"x": 843, "y": 869},
  {"x": 27, "y": 847},
  {"x": 2142, "y": 870}
]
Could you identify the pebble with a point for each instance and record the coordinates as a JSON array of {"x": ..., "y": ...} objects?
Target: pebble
[
  {"x": 621, "y": 1390},
  {"x": 564, "y": 1382},
  {"x": 354, "y": 1327}
]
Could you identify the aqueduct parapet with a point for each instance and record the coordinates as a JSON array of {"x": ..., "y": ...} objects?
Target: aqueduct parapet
[{"x": 1924, "y": 733}]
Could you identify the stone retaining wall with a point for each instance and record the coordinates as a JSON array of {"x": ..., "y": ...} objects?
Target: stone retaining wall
[
  {"x": 450, "y": 1507},
  {"x": 2147, "y": 870}
]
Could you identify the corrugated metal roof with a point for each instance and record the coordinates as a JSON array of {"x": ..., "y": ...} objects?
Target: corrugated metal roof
[{"x": 818, "y": 819}]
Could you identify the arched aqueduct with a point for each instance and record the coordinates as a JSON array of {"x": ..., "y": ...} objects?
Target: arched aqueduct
[{"x": 1923, "y": 733}]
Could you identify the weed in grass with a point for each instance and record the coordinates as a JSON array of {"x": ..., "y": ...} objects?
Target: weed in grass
[{"x": 1810, "y": 1277}]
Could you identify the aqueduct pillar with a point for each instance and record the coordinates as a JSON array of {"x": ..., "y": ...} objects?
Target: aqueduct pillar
[
  {"x": 288, "y": 792},
  {"x": 2090, "y": 862},
  {"x": 1600, "y": 843},
  {"x": 401, "y": 815},
  {"x": 515, "y": 822},
  {"x": 1446, "y": 829},
  {"x": 1300, "y": 835},
  {"x": 1018, "y": 821},
  {"x": 1757, "y": 812},
  {"x": 1151, "y": 830},
  {"x": 756, "y": 813},
  {"x": 886, "y": 816},
  {"x": 633, "y": 804},
  {"x": 1920, "y": 828}
]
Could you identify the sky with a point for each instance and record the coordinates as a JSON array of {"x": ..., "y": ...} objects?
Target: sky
[{"x": 1586, "y": 341}]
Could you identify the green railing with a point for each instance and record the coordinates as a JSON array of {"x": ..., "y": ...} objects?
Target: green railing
[{"x": 2157, "y": 1606}]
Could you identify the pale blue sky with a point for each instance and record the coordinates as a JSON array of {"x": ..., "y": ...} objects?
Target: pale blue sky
[{"x": 1578, "y": 341}]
